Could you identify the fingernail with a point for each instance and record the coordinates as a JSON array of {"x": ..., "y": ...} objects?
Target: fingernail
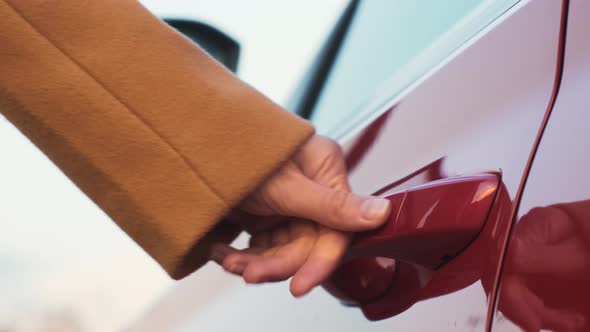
[{"x": 374, "y": 209}]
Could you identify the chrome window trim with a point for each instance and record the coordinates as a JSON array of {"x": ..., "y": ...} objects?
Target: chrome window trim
[{"x": 383, "y": 100}]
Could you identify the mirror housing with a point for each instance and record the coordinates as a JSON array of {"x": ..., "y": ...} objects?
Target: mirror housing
[{"x": 218, "y": 44}]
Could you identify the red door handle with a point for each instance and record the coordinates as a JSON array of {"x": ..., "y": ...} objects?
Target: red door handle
[{"x": 430, "y": 225}]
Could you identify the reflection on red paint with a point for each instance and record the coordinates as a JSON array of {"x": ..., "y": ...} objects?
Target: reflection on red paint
[
  {"x": 545, "y": 283},
  {"x": 431, "y": 222},
  {"x": 366, "y": 140},
  {"x": 362, "y": 280},
  {"x": 559, "y": 68},
  {"x": 352, "y": 287},
  {"x": 434, "y": 222},
  {"x": 413, "y": 284},
  {"x": 431, "y": 172}
]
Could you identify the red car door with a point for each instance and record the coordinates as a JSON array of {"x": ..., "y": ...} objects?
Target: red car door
[
  {"x": 544, "y": 282},
  {"x": 480, "y": 112}
]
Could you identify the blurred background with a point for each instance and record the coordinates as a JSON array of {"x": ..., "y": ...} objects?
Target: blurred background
[{"x": 64, "y": 266}]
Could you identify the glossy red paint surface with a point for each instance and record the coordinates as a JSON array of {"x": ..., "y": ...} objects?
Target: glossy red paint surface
[
  {"x": 410, "y": 283},
  {"x": 474, "y": 135},
  {"x": 476, "y": 262},
  {"x": 556, "y": 88},
  {"x": 368, "y": 137},
  {"x": 433, "y": 222},
  {"x": 544, "y": 283},
  {"x": 430, "y": 225}
]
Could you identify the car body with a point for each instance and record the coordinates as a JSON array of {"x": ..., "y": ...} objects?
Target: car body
[{"x": 418, "y": 92}]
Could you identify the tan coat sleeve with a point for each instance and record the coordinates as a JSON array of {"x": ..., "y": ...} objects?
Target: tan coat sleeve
[{"x": 154, "y": 131}]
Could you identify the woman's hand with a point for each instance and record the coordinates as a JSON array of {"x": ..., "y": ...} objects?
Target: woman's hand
[{"x": 299, "y": 220}]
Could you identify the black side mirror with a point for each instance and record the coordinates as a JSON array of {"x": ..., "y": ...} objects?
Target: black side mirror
[{"x": 219, "y": 45}]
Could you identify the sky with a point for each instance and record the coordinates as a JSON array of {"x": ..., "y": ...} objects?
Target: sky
[{"x": 63, "y": 264}]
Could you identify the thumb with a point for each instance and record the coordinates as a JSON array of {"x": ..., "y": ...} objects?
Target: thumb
[{"x": 333, "y": 208}]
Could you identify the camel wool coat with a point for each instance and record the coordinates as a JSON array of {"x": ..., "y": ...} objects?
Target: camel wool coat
[{"x": 157, "y": 133}]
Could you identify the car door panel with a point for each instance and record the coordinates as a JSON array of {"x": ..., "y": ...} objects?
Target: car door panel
[
  {"x": 479, "y": 112},
  {"x": 544, "y": 281}
]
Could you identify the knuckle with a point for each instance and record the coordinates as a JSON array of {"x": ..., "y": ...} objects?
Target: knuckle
[
  {"x": 332, "y": 144},
  {"x": 333, "y": 148},
  {"x": 326, "y": 145},
  {"x": 253, "y": 276},
  {"x": 339, "y": 181},
  {"x": 282, "y": 205},
  {"x": 281, "y": 196},
  {"x": 336, "y": 202}
]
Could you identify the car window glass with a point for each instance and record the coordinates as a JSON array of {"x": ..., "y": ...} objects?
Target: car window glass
[{"x": 390, "y": 44}]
